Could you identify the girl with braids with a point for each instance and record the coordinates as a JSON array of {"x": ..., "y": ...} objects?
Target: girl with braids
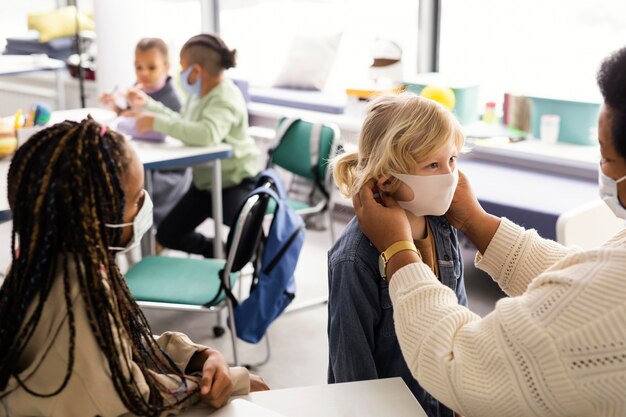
[
  {"x": 215, "y": 112},
  {"x": 76, "y": 342}
]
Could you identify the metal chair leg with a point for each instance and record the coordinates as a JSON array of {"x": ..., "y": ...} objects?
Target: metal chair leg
[
  {"x": 233, "y": 330},
  {"x": 268, "y": 354}
]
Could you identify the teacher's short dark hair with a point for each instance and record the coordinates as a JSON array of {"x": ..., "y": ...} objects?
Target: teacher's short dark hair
[{"x": 612, "y": 82}]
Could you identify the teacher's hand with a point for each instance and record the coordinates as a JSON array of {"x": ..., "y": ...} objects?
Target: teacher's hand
[
  {"x": 465, "y": 208},
  {"x": 383, "y": 224},
  {"x": 467, "y": 215}
]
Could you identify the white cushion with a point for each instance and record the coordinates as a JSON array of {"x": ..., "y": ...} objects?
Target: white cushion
[{"x": 308, "y": 62}]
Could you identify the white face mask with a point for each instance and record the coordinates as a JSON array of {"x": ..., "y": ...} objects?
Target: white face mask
[
  {"x": 608, "y": 193},
  {"x": 432, "y": 194},
  {"x": 141, "y": 224}
]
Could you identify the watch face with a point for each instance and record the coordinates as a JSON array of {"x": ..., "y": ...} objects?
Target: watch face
[{"x": 381, "y": 266}]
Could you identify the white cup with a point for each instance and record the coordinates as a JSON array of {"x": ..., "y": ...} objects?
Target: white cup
[{"x": 549, "y": 130}]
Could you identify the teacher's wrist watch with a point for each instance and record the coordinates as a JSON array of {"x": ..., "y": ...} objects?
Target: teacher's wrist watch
[{"x": 397, "y": 247}]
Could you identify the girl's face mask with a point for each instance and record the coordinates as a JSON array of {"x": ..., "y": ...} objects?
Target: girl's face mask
[
  {"x": 191, "y": 89},
  {"x": 141, "y": 224},
  {"x": 608, "y": 193},
  {"x": 432, "y": 194}
]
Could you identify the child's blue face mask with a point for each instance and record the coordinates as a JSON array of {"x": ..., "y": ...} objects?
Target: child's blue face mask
[{"x": 191, "y": 89}]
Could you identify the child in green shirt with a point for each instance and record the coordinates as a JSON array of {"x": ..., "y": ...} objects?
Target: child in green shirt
[{"x": 215, "y": 112}]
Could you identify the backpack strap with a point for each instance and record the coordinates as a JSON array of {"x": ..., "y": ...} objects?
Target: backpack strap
[
  {"x": 314, "y": 146},
  {"x": 272, "y": 176},
  {"x": 223, "y": 288}
]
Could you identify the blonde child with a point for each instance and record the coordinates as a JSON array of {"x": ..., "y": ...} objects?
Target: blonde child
[
  {"x": 409, "y": 145},
  {"x": 215, "y": 112},
  {"x": 152, "y": 69}
]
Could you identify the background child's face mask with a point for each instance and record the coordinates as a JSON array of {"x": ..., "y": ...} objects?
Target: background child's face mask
[
  {"x": 432, "y": 194},
  {"x": 191, "y": 89}
]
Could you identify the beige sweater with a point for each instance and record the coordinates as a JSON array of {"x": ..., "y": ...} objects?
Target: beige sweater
[
  {"x": 556, "y": 347},
  {"x": 90, "y": 390}
]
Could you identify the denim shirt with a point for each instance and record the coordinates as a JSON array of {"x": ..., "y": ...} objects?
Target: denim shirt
[{"x": 361, "y": 335}]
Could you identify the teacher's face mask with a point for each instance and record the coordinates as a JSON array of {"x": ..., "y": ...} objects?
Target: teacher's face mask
[
  {"x": 432, "y": 194},
  {"x": 608, "y": 193},
  {"x": 141, "y": 224}
]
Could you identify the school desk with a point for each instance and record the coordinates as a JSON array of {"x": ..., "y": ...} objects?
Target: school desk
[
  {"x": 374, "y": 398},
  {"x": 23, "y": 64},
  {"x": 167, "y": 155}
]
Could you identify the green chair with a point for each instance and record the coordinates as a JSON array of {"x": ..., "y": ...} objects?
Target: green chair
[
  {"x": 194, "y": 284},
  {"x": 304, "y": 149}
]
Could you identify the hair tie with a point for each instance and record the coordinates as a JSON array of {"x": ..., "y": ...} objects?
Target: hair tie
[{"x": 103, "y": 130}]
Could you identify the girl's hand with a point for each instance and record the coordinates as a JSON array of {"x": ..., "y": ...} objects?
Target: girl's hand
[
  {"x": 257, "y": 383},
  {"x": 216, "y": 386},
  {"x": 137, "y": 99},
  {"x": 144, "y": 122}
]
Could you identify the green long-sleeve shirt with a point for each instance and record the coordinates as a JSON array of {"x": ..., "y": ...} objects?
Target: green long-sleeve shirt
[{"x": 218, "y": 117}]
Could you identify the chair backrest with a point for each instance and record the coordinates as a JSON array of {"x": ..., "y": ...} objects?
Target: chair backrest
[
  {"x": 587, "y": 226},
  {"x": 300, "y": 152},
  {"x": 244, "y": 237}
]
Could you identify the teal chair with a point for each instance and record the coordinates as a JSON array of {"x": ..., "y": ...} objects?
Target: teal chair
[
  {"x": 304, "y": 149},
  {"x": 195, "y": 284}
]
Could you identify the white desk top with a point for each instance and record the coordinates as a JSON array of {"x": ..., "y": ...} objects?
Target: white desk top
[
  {"x": 375, "y": 398},
  {"x": 20, "y": 64}
]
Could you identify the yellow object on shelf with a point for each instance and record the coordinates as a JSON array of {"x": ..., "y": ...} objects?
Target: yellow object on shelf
[
  {"x": 443, "y": 95},
  {"x": 367, "y": 92},
  {"x": 7, "y": 146},
  {"x": 59, "y": 23}
]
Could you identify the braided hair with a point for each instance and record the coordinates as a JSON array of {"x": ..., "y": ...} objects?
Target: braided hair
[{"x": 64, "y": 186}]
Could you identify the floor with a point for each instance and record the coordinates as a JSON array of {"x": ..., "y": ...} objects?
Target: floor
[{"x": 298, "y": 338}]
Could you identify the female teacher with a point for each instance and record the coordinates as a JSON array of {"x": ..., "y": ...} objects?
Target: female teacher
[{"x": 557, "y": 345}]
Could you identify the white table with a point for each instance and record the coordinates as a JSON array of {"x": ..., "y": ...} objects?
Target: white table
[
  {"x": 23, "y": 64},
  {"x": 375, "y": 398},
  {"x": 168, "y": 155}
]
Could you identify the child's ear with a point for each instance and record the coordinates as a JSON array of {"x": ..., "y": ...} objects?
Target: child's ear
[{"x": 384, "y": 183}]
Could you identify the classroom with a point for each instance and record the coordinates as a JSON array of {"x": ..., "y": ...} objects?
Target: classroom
[{"x": 314, "y": 208}]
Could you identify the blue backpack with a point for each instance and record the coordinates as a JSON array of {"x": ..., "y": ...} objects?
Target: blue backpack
[{"x": 273, "y": 284}]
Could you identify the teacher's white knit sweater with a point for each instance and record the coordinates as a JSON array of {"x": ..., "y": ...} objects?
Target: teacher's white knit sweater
[{"x": 556, "y": 347}]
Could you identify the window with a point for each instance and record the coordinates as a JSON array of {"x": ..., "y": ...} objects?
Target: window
[
  {"x": 263, "y": 31},
  {"x": 535, "y": 47}
]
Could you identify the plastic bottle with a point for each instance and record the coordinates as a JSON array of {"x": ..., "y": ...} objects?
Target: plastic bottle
[{"x": 490, "y": 116}]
